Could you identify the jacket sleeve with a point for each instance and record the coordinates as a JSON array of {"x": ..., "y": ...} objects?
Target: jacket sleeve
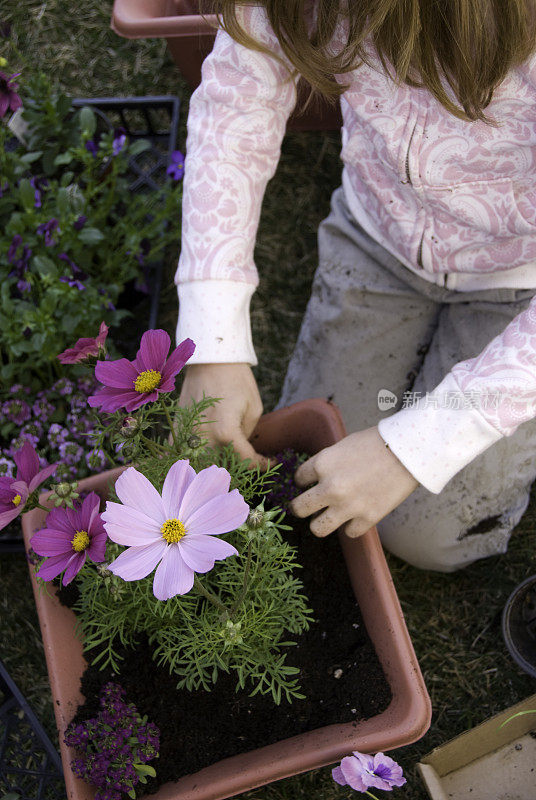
[
  {"x": 477, "y": 403},
  {"x": 236, "y": 124}
]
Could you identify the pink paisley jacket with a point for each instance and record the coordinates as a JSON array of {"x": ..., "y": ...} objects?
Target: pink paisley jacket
[{"x": 453, "y": 201}]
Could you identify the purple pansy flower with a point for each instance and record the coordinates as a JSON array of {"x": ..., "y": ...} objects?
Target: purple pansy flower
[
  {"x": 176, "y": 531},
  {"x": 13, "y": 247},
  {"x": 79, "y": 223},
  {"x": 9, "y": 99},
  {"x": 131, "y": 384},
  {"x": 71, "y": 535},
  {"x": 119, "y": 141},
  {"x": 362, "y": 772},
  {"x": 85, "y": 347},
  {"x": 38, "y": 184},
  {"x": 15, "y": 493},
  {"x": 48, "y": 228},
  {"x": 176, "y": 168}
]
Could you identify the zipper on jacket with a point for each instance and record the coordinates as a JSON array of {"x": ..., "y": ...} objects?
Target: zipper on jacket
[
  {"x": 408, "y": 175},
  {"x": 419, "y": 252}
]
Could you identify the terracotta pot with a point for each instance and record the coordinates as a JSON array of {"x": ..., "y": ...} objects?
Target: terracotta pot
[
  {"x": 308, "y": 426},
  {"x": 190, "y": 38}
]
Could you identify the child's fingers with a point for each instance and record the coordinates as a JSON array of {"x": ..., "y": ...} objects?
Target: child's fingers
[
  {"x": 305, "y": 475},
  {"x": 309, "y": 502}
]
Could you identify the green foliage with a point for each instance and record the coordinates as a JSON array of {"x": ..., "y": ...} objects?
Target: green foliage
[
  {"x": 244, "y": 613},
  {"x": 58, "y": 285}
]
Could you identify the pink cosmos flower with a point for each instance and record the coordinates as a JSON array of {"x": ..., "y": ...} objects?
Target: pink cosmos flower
[
  {"x": 71, "y": 535},
  {"x": 84, "y": 348},
  {"x": 15, "y": 492},
  {"x": 131, "y": 384},
  {"x": 361, "y": 772},
  {"x": 9, "y": 99},
  {"x": 176, "y": 530}
]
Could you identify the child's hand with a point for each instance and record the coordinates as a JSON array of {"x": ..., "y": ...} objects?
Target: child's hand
[
  {"x": 234, "y": 417},
  {"x": 358, "y": 481}
]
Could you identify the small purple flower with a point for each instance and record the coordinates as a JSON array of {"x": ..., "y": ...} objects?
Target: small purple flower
[
  {"x": 48, "y": 228},
  {"x": 57, "y": 435},
  {"x": 42, "y": 409},
  {"x": 4, "y": 189},
  {"x": 9, "y": 99},
  {"x": 80, "y": 222},
  {"x": 18, "y": 388},
  {"x": 38, "y": 185},
  {"x": 7, "y": 467},
  {"x": 64, "y": 386},
  {"x": 119, "y": 141},
  {"x": 13, "y": 247},
  {"x": 70, "y": 536},
  {"x": 96, "y": 460},
  {"x": 24, "y": 286},
  {"x": 91, "y": 147},
  {"x": 176, "y": 168},
  {"x": 362, "y": 772},
  {"x": 17, "y": 411},
  {"x": 71, "y": 452},
  {"x": 74, "y": 284},
  {"x": 33, "y": 428}
]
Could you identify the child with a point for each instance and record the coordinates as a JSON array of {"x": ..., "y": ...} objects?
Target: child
[{"x": 427, "y": 261}]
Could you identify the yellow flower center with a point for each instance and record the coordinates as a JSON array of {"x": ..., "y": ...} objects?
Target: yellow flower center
[
  {"x": 147, "y": 381},
  {"x": 173, "y": 530},
  {"x": 16, "y": 500},
  {"x": 80, "y": 541}
]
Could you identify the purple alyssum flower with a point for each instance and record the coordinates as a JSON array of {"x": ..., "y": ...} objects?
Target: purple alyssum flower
[
  {"x": 71, "y": 536},
  {"x": 176, "y": 531},
  {"x": 16, "y": 410},
  {"x": 42, "y": 409},
  {"x": 362, "y": 772},
  {"x": 14, "y": 493},
  {"x": 64, "y": 386},
  {"x": 131, "y": 384},
  {"x": 47, "y": 229},
  {"x": 9, "y": 99},
  {"x": 112, "y": 744},
  {"x": 176, "y": 168},
  {"x": 7, "y": 467},
  {"x": 57, "y": 434}
]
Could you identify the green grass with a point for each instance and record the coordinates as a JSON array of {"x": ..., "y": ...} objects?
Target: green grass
[{"x": 454, "y": 620}]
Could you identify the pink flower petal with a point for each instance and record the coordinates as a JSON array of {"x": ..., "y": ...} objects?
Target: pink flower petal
[
  {"x": 97, "y": 547},
  {"x": 200, "y": 552},
  {"x": 173, "y": 576},
  {"x": 42, "y": 476},
  {"x": 137, "y": 491},
  {"x": 338, "y": 777},
  {"x": 179, "y": 477},
  {"x": 74, "y": 566},
  {"x": 220, "y": 515},
  {"x": 137, "y": 562},
  {"x": 8, "y": 516},
  {"x": 126, "y": 525},
  {"x": 154, "y": 347},
  {"x": 134, "y": 401},
  {"x": 90, "y": 507},
  {"x": 50, "y": 542},
  {"x": 58, "y": 520},
  {"x": 207, "y": 484},
  {"x": 53, "y": 566},
  {"x": 120, "y": 374},
  {"x": 177, "y": 359},
  {"x": 27, "y": 463}
]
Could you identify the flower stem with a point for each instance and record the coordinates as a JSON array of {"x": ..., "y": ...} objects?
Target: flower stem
[
  {"x": 244, "y": 584},
  {"x": 43, "y": 508},
  {"x": 171, "y": 426},
  {"x": 211, "y": 597},
  {"x": 155, "y": 448}
]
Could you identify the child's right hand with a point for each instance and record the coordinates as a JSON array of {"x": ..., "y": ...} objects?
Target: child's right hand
[{"x": 234, "y": 417}]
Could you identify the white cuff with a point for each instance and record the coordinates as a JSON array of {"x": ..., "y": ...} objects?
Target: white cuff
[
  {"x": 438, "y": 435},
  {"x": 215, "y": 315}
]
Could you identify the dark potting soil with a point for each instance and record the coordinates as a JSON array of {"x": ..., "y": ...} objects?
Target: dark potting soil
[{"x": 340, "y": 676}]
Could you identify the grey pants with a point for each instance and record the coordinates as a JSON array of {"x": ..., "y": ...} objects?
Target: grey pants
[{"x": 372, "y": 324}]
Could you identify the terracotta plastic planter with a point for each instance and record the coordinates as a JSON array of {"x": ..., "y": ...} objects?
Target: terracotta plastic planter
[
  {"x": 307, "y": 426},
  {"x": 190, "y": 38}
]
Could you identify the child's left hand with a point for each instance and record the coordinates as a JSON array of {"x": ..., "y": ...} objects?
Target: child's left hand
[{"x": 358, "y": 481}]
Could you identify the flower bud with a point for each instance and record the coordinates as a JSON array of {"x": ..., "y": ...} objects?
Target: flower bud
[
  {"x": 64, "y": 489},
  {"x": 193, "y": 441},
  {"x": 129, "y": 427},
  {"x": 256, "y": 518}
]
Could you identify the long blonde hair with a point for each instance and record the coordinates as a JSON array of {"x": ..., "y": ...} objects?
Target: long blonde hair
[{"x": 467, "y": 45}]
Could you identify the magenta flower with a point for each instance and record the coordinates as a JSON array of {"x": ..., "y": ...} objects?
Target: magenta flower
[
  {"x": 71, "y": 535},
  {"x": 9, "y": 99},
  {"x": 84, "y": 348},
  {"x": 15, "y": 493},
  {"x": 177, "y": 530},
  {"x": 131, "y": 384},
  {"x": 361, "y": 772}
]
